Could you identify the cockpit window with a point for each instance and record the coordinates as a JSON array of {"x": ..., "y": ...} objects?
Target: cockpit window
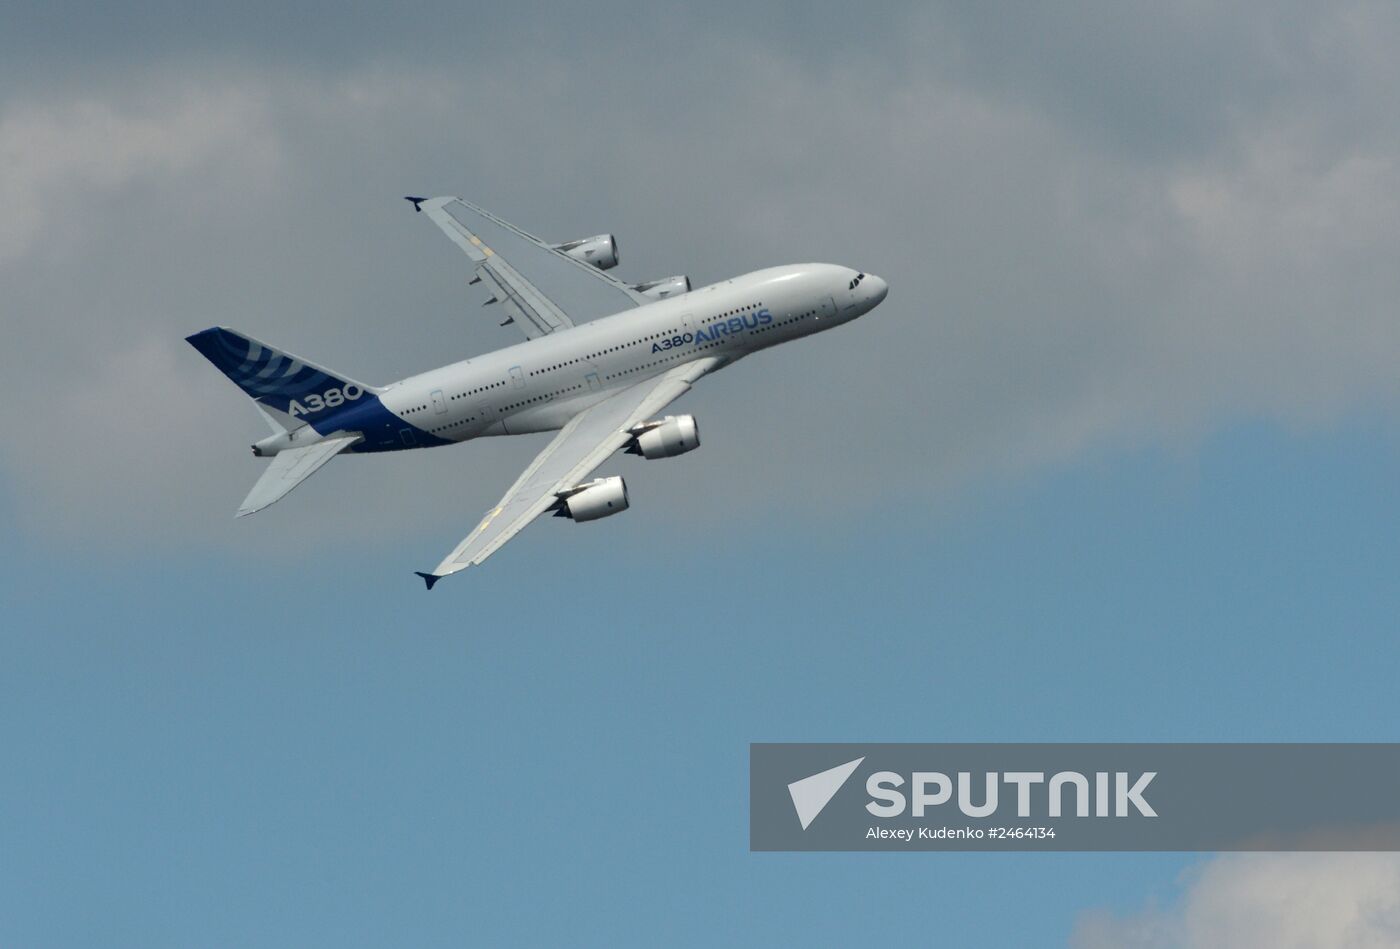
[{"x": 855, "y": 282}]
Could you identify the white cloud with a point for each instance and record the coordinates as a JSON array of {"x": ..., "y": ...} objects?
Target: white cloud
[
  {"x": 56, "y": 154},
  {"x": 1052, "y": 293},
  {"x": 1266, "y": 901}
]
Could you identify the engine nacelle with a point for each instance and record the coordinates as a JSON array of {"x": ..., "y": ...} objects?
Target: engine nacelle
[
  {"x": 674, "y": 435},
  {"x": 661, "y": 289},
  {"x": 602, "y": 497},
  {"x": 600, "y": 251}
]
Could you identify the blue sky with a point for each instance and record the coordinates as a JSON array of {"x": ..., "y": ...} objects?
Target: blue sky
[
  {"x": 206, "y": 750},
  {"x": 1116, "y": 460}
]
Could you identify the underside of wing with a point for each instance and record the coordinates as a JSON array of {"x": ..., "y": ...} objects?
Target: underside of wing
[
  {"x": 581, "y": 445},
  {"x": 541, "y": 288}
]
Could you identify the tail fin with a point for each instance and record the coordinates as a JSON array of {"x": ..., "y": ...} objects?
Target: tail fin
[{"x": 288, "y": 389}]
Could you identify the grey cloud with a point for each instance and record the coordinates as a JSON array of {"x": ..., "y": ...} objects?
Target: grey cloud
[
  {"x": 1155, "y": 81},
  {"x": 1060, "y": 284}
]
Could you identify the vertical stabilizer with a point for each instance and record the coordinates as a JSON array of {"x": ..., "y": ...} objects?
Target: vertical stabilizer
[{"x": 290, "y": 390}]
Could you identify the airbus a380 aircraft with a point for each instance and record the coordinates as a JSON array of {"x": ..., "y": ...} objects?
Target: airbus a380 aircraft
[{"x": 600, "y": 360}]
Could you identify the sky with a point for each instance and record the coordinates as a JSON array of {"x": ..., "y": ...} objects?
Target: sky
[{"x": 1116, "y": 460}]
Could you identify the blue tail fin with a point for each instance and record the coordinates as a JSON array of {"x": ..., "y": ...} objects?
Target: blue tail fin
[{"x": 293, "y": 387}]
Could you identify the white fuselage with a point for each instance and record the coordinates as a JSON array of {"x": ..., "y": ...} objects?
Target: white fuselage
[{"x": 539, "y": 385}]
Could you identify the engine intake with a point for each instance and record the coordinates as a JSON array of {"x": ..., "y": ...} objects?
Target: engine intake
[
  {"x": 602, "y": 497},
  {"x": 673, "y": 435},
  {"x": 600, "y": 250},
  {"x": 667, "y": 287}
]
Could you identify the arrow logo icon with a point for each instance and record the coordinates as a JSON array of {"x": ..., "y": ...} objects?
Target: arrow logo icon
[{"x": 811, "y": 794}]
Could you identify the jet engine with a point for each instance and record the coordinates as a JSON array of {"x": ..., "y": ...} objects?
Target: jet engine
[
  {"x": 661, "y": 289},
  {"x": 673, "y": 435},
  {"x": 602, "y": 497},
  {"x": 600, "y": 251}
]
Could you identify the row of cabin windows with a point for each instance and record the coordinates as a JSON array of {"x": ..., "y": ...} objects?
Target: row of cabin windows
[
  {"x": 463, "y": 395},
  {"x": 648, "y": 365},
  {"x": 790, "y": 319},
  {"x": 460, "y": 422},
  {"x": 602, "y": 352},
  {"x": 742, "y": 310},
  {"x": 643, "y": 339},
  {"x": 539, "y": 398},
  {"x": 460, "y": 395}
]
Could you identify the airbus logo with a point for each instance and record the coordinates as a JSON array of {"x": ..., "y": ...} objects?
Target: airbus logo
[{"x": 732, "y": 326}]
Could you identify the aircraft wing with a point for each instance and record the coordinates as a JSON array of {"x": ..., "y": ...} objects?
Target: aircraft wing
[
  {"x": 541, "y": 289},
  {"x": 581, "y": 445}
]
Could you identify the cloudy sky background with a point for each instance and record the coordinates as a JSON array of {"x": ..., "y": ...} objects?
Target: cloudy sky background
[{"x": 1132, "y": 399}]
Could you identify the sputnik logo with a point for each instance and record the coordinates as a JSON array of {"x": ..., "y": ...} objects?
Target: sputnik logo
[{"x": 811, "y": 794}]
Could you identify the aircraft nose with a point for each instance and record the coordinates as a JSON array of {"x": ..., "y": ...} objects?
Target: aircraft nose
[{"x": 879, "y": 289}]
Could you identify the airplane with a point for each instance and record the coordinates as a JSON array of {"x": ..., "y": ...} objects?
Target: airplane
[{"x": 601, "y": 360}]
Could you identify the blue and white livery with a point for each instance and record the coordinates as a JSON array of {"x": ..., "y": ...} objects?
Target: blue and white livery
[{"x": 602, "y": 358}]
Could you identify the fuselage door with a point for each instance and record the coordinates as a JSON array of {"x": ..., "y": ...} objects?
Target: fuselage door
[
  {"x": 517, "y": 377},
  {"x": 439, "y": 403}
]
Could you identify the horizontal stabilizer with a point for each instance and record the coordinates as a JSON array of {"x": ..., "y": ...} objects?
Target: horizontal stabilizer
[{"x": 290, "y": 468}]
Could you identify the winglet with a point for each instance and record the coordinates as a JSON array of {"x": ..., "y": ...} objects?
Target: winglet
[
  {"x": 428, "y": 578},
  {"x": 417, "y": 206}
]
